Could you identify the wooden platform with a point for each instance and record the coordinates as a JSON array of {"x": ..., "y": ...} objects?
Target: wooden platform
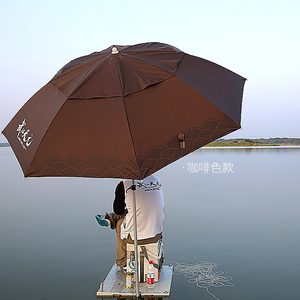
[{"x": 114, "y": 285}]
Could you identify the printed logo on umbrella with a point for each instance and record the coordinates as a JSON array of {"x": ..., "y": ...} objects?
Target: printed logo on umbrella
[{"x": 24, "y": 136}]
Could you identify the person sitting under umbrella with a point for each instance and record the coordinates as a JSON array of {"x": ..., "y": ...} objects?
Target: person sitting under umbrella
[{"x": 150, "y": 214}]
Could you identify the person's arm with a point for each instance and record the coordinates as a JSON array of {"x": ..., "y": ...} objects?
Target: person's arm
[{"x": 119, "y": 202}]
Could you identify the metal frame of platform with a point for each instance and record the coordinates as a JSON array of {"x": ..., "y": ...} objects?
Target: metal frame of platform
[{"x": 113, "y": 285}]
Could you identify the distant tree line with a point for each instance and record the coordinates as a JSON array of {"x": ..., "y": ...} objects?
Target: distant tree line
[{"x": 261, "y": 141}]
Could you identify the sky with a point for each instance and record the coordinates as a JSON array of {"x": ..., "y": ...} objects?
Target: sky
[{"x": 258, "y": 40}]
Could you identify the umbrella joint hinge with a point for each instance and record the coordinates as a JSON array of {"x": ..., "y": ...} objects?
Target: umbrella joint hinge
[{"x": 132, "y": 187}]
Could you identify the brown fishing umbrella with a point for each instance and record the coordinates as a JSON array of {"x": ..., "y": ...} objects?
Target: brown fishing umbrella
[{"x": 125, "y": 112}]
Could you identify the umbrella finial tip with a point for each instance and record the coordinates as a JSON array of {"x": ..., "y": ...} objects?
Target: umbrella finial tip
[{"x": 114, "y": 50}]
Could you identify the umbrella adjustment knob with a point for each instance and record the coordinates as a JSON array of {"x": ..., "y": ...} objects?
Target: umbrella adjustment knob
[
  {"x": 114, "y": 50},
  {"x": 182, "y": 142},
  {"x": 132, "y": 187}
]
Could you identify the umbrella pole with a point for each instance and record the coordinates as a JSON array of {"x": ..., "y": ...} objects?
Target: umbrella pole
[{"x": 137, "y": 290}]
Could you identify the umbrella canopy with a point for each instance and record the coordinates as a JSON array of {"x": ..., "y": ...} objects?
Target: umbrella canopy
[{"x": 125, "y": 112}]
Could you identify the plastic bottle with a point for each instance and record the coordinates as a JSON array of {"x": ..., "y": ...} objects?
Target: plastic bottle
[{"x": 150, "y": 275}]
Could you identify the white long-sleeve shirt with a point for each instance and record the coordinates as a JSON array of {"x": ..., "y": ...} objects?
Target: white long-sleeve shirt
[{"x": 149, "y": 205}]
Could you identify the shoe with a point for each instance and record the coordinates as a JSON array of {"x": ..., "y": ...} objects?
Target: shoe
[
  {"x": 103, "y": 220},
  {"x": 123, "y": 269}
]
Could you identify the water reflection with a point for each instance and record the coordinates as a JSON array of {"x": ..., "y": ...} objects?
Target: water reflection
[{"x": 246, "y": 221}]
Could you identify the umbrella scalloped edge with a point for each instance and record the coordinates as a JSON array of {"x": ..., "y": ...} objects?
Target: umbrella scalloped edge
[{"x": 135, "y": 168}]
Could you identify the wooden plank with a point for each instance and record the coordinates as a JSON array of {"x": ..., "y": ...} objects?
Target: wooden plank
[{"x": 114, "y": 285}]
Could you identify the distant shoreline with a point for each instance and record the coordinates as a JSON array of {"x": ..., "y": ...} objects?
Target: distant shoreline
[
  {"x": 246, "y": 146},
  {"x": 242, "y": 142},
  {"x": 4, "y": 145}
]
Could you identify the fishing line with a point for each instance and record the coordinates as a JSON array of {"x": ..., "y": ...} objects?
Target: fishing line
[{"x": 202, "y": 275}]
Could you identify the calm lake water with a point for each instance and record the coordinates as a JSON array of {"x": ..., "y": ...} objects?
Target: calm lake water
[{"x": 236, "y": 207}]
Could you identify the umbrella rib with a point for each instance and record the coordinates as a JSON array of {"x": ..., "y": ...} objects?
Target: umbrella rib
[
  {"x": 149, "y": 62},
  {"x": 130, "y": 132},
  {"x": 83, "y": 80},
  {"x": 120, "y": 75},
  {"x": 126, "y": 114},
  {"x": 142, "y": 80},
  {"x": 78, "y": 66},
  {"x": 26, "y": 174}
]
